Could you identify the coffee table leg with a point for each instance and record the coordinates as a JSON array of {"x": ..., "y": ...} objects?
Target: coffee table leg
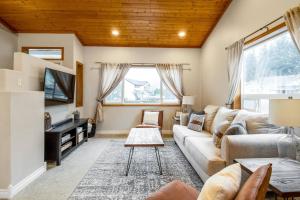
[
  {"x": 158, "y": 160},
  {"x": 129, "y": 160}
]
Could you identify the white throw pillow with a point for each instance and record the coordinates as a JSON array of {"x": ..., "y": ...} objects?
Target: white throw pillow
[
  {"x": 224, "y": 185},
  {"x": 196, "y": 122},
  {"x": 151, "y": 118}
]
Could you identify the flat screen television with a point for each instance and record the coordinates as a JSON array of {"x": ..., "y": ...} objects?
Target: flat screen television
[{"x": 58, "y": 87}]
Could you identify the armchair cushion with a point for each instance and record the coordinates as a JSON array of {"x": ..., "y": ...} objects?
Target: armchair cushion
[
  {"x": 147, "y": 126},
  {"x": 176, "y": 190},
  {"x": 150, "y": 118}
]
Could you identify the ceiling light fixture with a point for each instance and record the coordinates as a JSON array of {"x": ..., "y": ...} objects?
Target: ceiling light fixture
[
  {"x": 181, "y": 34},
  {"x": 115, "y": 33}
]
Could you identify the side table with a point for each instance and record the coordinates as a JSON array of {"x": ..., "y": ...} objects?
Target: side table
[{"x": 285, "y": 178}]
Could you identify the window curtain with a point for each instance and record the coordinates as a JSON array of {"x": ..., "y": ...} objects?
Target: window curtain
[
  {"x": 171, "y": 76},
  {"x": 109, "y": 78},
  {"x": 292, "y": 21},
  {"x": 234, "y": 54}
]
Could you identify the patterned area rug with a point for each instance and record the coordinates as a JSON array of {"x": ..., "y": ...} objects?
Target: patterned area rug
[{"x": 106, "y": 178}]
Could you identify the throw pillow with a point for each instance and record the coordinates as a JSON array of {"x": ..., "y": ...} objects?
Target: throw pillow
[
  {"x": 196, "y": 112},
  {"x": 151, "y": 118},
  {"x": 210, "y": 113},
  {"x": 225, "y": 128},
  {"x": 223, "y": 114},
  {"x": 219, "y": 133},
  {"x": 238, "y": 128},
  {"x": 256, "y": 185},
  {"x": 223, "y": 185},
  {"x": 196, "y": 122}
]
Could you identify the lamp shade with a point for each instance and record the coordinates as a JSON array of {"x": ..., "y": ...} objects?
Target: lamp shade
[
  {"x": 188, "y": 100},
  {"x": 285, "y": 112}
]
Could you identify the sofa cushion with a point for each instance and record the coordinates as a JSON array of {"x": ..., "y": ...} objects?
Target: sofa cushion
[
  {"x": 260, "y": 125},
  {"x": 180, "y": 133},
  {"x": 210, "y": 113},
  {"x": 218, "y": 134},
  {"x": 205, "y": 154},
  {"x": 196, "y": 122},
  {"x": 236, "y": 129},
  {"x": 223, "y": 114},
  {"x": 257, "y": 123},
  {"x": 224, "y": 185}
]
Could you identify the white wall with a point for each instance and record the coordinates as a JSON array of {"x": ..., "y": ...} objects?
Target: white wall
[
  {"x": 8, "y": 45},
  {"x": 73, "y": 51},
  {"x": 22, "y": 140},
  {"x": 121, "y": 119},
  {"x": 50, "y": 40},
  {"x": 240, "y": 19},
  {"x": 33, "y": 75}
]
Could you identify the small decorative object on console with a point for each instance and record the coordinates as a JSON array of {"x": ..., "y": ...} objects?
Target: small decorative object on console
[
  {"x": 91, "y": 128},
  {"x": 76, "y": 114},
  {"x": 48, "y": 123}
]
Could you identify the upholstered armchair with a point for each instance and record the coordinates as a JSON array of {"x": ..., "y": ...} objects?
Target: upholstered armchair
[{"x": 151, "y": 119}]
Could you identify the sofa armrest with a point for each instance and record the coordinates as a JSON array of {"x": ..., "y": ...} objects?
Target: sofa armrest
[{"x": 249, "y": 146}]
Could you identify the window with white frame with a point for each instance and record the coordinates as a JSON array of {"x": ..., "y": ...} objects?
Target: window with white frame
[
  {"x": 141, "y": 85},
  {"x": 271, "y": 69}
]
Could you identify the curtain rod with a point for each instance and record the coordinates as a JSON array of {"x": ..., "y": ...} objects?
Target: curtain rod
[
  {"x": 145, "y": 65},
  {"x": 262, "y": 28}
]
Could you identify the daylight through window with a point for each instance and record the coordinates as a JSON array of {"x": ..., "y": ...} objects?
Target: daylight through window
[
  {"x": 141, "y": 85},
  {"x": 271, "y": 69}
]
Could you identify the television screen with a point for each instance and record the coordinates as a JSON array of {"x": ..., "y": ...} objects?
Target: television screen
[{"x": 58, "y": 87}]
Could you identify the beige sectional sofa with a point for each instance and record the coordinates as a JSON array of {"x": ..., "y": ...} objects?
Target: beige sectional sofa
[{"x": 207, "y": 159}]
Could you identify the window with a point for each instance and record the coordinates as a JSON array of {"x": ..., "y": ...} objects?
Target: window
[
  {"x": 271, "y": 69},
  {"x": 141, "y": 85},
  {"x": 47, "y": 53}
]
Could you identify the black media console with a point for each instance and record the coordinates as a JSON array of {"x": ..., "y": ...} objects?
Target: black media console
[{"x": 64, "y": 138}]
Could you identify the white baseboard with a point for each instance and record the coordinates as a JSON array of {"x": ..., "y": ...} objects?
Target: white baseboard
[
  {"x": 11, "y": 191},
  {"x": 5, "y": 193}
]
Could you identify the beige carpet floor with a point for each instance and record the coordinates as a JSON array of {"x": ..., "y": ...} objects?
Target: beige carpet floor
[{"x": 57, "y": 183}]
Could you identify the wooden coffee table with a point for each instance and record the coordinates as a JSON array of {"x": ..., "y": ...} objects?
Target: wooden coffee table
[
  {"x": 285, "y": 178},
  {"x": 144, "y": 137}
]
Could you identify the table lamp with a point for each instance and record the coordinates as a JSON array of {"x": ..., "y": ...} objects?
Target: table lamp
[
  {"x": 286, "y": 112},
  {"x": 187, "y": 102}
]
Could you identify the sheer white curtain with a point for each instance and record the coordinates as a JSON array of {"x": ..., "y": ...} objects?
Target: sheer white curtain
[
  {"x": 109, "y": 78},
  {"x": 292, "y": 20},
  {"x": 234, "y": 54},
  {"x": 171, "y": 76}
]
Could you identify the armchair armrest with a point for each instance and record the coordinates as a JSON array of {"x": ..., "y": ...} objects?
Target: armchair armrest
[{"x": 249, "y": 146}]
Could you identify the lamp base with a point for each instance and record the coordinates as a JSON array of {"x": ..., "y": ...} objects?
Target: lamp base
[{"x": 289, "y": 145}]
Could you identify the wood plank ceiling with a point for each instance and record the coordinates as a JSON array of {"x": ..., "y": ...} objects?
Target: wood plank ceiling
[{"x": 141, "y": 23}]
